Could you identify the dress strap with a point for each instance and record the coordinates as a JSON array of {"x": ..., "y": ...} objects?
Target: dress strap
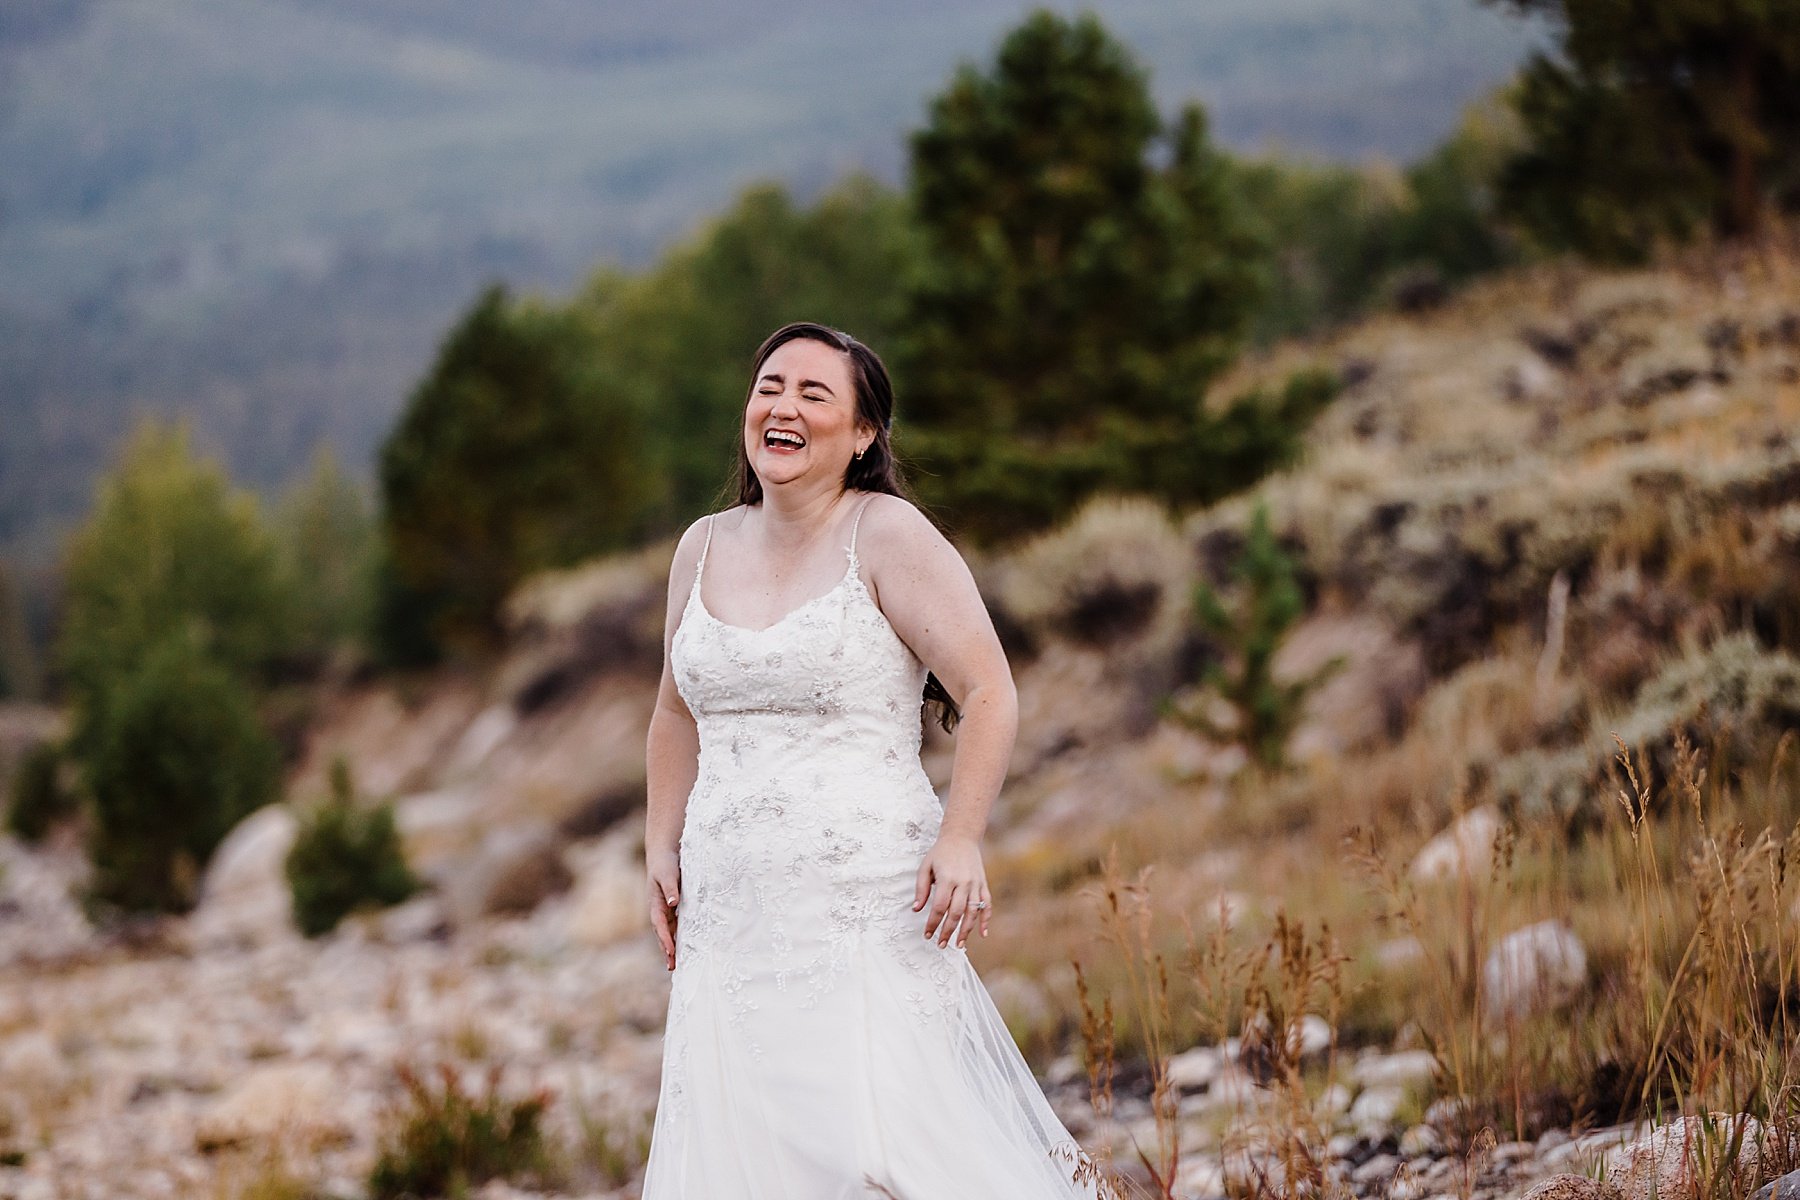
[
  {"x": 856, "y": 522},
  {"x": 700, "y": 564}
]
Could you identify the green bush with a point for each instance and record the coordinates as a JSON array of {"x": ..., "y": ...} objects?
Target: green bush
[
  {"x": 179, "y": 758},
  {"x": 447, "y": 1140},
  {"x": 1269, "y": 603},
  {"x": 170, "y": 546},
  {"x": 345, "y": 858},
  {"x": 38, "y": 798}
]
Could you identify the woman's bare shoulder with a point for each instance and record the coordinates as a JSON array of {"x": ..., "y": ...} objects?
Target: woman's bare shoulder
[
  {"x": 896, "y": 521},
  {"x": 687, "y": 550}
]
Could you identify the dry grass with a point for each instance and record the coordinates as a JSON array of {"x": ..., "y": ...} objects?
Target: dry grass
[{"x": 1684, "y": 899}]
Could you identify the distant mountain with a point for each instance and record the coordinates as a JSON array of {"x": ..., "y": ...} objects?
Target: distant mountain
[{"x": 264, "y": 212}]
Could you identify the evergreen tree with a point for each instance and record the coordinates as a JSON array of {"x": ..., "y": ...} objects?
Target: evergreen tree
[
  {"x": 20, "y": 678},
  {"x": 1076, "y": 296},
  {"x": 675, "y": 342},
  {"x": 170, "y": 546},
  {"x": 1656, "y": 119},
  {"x": 326, "y": 533},
  {"x": 1269, "y": 602},
  {"x": 178, "y": 758},
  {"x": 508, "y": 459}
]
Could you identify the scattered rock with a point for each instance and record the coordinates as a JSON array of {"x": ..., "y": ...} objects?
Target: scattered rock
[
  {"x": 1194, "y": 1070},
  {"x": 514, "y": 871},
  {"x": 1397, "y": 1070},
  {"x": 245, "y": 896},
  {"x": 1463, "y": 851},
  {"x": 1785, "y": 1188},
  {"x": 1659, "y": 1165},
  {"x": 1376, "y": 1107},
  {"x": 419, "y": 919},
  {"x": 1540, "y": 966},
  {"x": 1572, "y": 1188},
  {"x": 609, "y": 901}
]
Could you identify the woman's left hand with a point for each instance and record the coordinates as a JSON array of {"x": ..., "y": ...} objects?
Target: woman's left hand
[{"x": 953, "y": 867}]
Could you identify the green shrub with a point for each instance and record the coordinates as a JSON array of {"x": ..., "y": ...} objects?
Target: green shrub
[
  {"x": 180, "y": 757},
  {"x": 345, "y": 858},
  {"x": 171, "y": 545},
  {"x": 1270, "y": 602},
  {"x": 445, "y": 1141},
  {"x": 39, "y": 799}
]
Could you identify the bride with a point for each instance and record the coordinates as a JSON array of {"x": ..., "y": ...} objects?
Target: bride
[{"x": 827, "y": 1036}]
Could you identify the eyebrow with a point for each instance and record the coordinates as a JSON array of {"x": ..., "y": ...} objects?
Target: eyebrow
[{"x": 805, "y": 383}]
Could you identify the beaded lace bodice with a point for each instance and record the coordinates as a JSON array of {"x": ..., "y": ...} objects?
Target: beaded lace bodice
[
  {"x": 818, "y": 1045},
  {"x": 808, "y": 770}
]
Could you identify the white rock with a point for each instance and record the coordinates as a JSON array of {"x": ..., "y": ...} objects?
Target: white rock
[
  {"x": 1397, "y": 1070},
  {"x": 1399, "y": 952},
  {"x": 1421, "y": 1140},
  {"x": 1659, "y": 1165},
  {"x": 515, "y": 870},
  {"x": 1195, "y": 1069},
  {"x": 1569, "y": 1186},
  {"x": 245, "y": 896},
  {"x": 1313, "y": 1034},
  {"x": 1463, "y": 851},
  {"x": 490, "y": 727},
  {"x": 1540, "y": 966},
  {"x": 1376, "y": 1106},
  {"x": 609, "y": 901}
]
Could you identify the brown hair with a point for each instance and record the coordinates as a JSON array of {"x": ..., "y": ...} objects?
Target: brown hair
[{"x": 875, "y": 470}]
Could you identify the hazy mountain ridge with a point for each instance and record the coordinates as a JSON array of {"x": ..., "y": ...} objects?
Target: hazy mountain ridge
[{"x": 347, "y": 175}]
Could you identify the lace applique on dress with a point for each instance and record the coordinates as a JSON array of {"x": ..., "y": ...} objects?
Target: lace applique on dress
[{"x": 815, "y": 1035}]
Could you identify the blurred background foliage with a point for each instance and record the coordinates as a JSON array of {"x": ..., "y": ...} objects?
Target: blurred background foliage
[{"x": 1058, "y": 287}]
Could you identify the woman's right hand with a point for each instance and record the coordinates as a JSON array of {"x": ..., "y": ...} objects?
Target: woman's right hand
[{"x": 662, "y": 870}]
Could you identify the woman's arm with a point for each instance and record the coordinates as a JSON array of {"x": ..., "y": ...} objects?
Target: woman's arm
[
  {"x": 928, "y": 594},
  {"x": 671, "y": 764}
]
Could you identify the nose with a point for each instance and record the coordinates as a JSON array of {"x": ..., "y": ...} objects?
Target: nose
[{"x": 783, "y": 405}]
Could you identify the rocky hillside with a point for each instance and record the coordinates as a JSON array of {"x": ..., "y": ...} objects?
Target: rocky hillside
[{"x": 1560, "y": 506}]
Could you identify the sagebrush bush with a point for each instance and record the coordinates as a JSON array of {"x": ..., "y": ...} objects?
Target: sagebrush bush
[
  {"x": 180, "y": 758},
  {"x": 445, "y": 1140},
  {"x": 1733, "y": 683},
  {"x": 38, "y": 799},
  {"x": 344, "y": 858},
  {"x": 1116, "y": 576}
]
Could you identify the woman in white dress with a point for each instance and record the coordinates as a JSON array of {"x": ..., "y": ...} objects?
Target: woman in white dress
[{"x": 827, "y": 1036}]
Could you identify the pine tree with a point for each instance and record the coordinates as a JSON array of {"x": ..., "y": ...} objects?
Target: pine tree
[
  {"x": 170, "y": 546},
  {"x": 1657, "y": 119},
  {"x": 509, "y": 458},
  {"x": 1075, "y": 296},
  {"x": 1268, "y": 604}
]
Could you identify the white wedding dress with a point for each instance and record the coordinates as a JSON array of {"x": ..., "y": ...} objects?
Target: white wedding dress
[{"x": 818, "y": 1046}]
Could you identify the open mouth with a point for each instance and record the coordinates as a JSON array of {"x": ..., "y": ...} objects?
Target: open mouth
[{"x": 783, "y": 440}]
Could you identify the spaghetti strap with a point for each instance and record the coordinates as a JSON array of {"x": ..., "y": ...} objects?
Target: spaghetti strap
[
  {"x": 700, "y": 564},
  {"x": 855, "y": 523}
]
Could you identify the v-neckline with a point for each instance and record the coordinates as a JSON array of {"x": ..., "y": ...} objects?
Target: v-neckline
[{"x": 850, "y": 572}]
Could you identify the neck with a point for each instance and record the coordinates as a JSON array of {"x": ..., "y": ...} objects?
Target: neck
[{"x": 794, "y": 513}]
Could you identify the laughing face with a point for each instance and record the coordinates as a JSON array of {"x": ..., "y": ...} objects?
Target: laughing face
[{"x": 800, "y": 421}]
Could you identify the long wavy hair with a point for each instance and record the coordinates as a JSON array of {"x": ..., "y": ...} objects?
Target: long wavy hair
[{"x": 875, "y": 471}]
